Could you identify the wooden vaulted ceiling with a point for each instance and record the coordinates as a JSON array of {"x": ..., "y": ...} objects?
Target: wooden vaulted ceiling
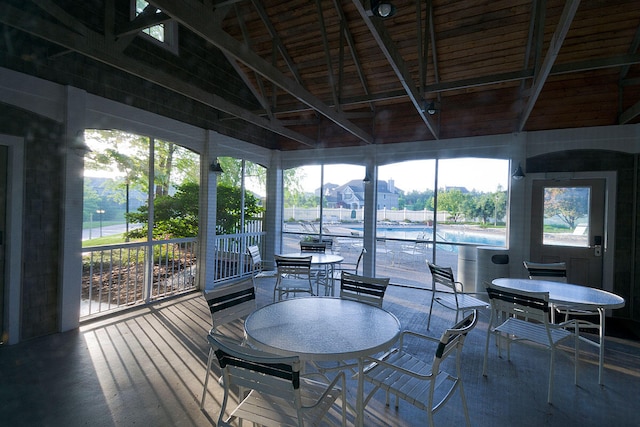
[{"x": 297, "y": 74}]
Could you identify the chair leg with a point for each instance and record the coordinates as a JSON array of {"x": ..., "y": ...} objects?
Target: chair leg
[
  {"x": 486, "y": 352},
  {"x": 430, "y": 310},
  {"x": 551, "y": 367},
  {"x": 206, "y": 378},
  {"x": 464, "y": 402}
]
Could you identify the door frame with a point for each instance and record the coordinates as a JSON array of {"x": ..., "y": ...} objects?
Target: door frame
[
  {"x": 608, "y": 244},
  {"x": 13, "y": 242}
]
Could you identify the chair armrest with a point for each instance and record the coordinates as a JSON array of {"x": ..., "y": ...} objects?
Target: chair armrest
[
  {"x": 379, "y": 362},
  {"x": 417, "y": 335},
  {"x": 340, "y": 377}
]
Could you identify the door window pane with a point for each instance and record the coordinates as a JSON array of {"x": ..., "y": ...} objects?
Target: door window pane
[{"x": 566, "y": 216}]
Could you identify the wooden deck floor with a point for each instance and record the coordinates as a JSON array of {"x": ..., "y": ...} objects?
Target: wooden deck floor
[{"x": 145, "y": 367}]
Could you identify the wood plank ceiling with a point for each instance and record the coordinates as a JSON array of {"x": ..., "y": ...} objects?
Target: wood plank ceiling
[{"x": 297, "y": 74}]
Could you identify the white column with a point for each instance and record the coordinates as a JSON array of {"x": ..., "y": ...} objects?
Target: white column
[
  {"x": 207, "y": 214},
  {"x": 370, "y": 196},
  {"x": 71, "y": 216},
  {"x": 273, "y": 215},
  {"x": 517, "y": 228}
]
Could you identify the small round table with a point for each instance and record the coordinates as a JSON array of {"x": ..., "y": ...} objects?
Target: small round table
[
  {"x": 328, "y": 261},
  {"x": 323, "y": 329}
]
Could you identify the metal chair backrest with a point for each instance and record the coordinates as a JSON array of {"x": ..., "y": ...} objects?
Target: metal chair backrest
[
  {"x": 313, "y": 247},
  {"x": 256, "y": 258},
  {"x": 293, "y": 266},
  {"x": 554, "y": 271},
  {"x": 453, "y": 338},
  {"x": 444, "y": 276},
  {"x": 263, "y": 372},
  {"x": 231, "y": 302},
  {"x": 369, "y": 290},
  {"x": 520, "y": 304}
]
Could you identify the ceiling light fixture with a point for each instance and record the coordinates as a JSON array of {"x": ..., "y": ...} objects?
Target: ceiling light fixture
[
  {"x": 518, "y": 174},
  {"x": 431, "y": 108},
  {"x": 382, "y": 9}
]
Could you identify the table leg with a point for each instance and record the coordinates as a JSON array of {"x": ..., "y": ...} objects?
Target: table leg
[
  {"x": 601, "y": 361},
  {"x": 360, "y": 394}
]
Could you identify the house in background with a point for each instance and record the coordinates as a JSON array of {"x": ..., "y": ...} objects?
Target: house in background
[{"x": 351, "y": 195}]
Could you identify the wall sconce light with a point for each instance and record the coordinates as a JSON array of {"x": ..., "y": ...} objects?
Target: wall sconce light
[
  {"x": 382, "y": 9},
  {"x": 215, "y": 167},
  {"x": 518, "y": 174},
  {"x": 366, "y": 178},
  {"x": 78, "y": 146}
]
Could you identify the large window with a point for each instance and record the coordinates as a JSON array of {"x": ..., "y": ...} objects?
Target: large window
[
  {"x": 441, "y": 210},
  {"x": 241, "y": 196},
  {"x": 324, "y": 202},
  {"x": 117, "y": 188}
]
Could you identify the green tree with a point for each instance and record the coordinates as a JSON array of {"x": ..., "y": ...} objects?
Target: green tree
[
  {"x": 177, "y": 216},
  {"x": 416, "y": 200},
  {"x": 229, "y": 209},
  {"x": 567, "y": 203},
  {"x": 91, "y": 201},
  {"x": 452, "y": 201}
]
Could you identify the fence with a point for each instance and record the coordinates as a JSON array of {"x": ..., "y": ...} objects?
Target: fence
[
  {"x": 122, "y": 275},
  {"x": 334, "y": 215}
]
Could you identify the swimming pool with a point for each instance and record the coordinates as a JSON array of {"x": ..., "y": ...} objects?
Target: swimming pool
[{"x": 453, "y": 235}]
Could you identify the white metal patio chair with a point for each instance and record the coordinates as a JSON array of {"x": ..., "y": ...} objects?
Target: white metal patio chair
[
  {"x": 369, "y": 290},
  {"x": 294, "y": 277},
  {"x": 257, "y": 265},
  {"x": 422, "y": 383},
  {"x": 449, "y": 293},
  {"x": 557, "y": 272},
  {"x": 523, "y": 317},
  {"x": 348, "y": 267},
  {"x": 278, "y": 394},
  {"x": 229, "y": 305}
]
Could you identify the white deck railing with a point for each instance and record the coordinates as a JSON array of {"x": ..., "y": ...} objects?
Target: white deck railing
[{"x": 122, "y": 275}]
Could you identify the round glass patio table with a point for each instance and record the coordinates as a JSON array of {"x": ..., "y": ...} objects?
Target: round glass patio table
[{"x": 323, "y": 329}]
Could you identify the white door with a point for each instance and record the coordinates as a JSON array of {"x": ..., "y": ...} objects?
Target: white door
[{"x": 568, "y": 224}]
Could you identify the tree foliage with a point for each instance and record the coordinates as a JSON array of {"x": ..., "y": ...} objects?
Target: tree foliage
[
  {"x": 177, "y": 216},
  {"x": 452, "y": 201},
  {"x": 229, "y": 209},
  {"x": 567, "y": 203}
]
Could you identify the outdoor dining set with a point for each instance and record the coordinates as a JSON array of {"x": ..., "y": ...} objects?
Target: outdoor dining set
[{"x": 293, "y": 361}]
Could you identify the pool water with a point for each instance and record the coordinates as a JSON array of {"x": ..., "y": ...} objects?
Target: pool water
[{"x": 444, "y": 235}]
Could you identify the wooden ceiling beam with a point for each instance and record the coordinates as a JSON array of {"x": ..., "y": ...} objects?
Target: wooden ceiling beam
[
  {"x": 327, "y": 56},
  {"x": 383, "y": 39},
  {"x": 193, "y": 15},
  {"x": 354, "y": 55},
  {"x": 148, "y": 18},
  {"x": 257, "y": 4},
  {"x": 568, "y": 13},
  {"x": 96, "y": 47},
  {"x": 630, "y": 114},
  {"x": 259, "y": 92}
]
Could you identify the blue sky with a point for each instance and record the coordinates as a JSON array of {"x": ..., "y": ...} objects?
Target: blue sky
[{"x": 481, "y": 174}]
